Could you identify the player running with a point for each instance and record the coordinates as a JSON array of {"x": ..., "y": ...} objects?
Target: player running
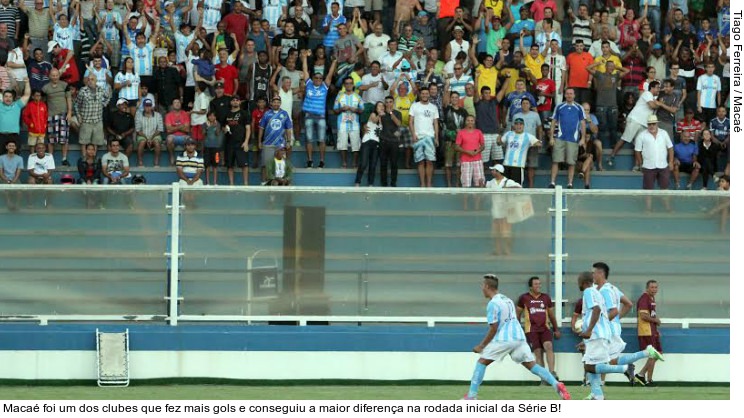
[{"x": 505, "y": 336}]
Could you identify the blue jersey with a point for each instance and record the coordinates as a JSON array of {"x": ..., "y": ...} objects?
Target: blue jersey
[
  {"x": 500, "y": 311},
  {"x": 315, "y": 98},
  {"x": 720, "y": 128},
  {"x": 612, "y": 296},
  {"x": 568, "y": 116},
  {"x": 709, "y": 86},
  {"x": 517, "y": 146},
  {"x": 528, "y": 25},
  {"x": 142, "y": 58},
  {"x": 332, "y": 23},
  {"x": 212, "y": 14},
  {"x": 590, "y": 299},
  {"x": 724, "y": 20},
  {"x": 514, "y": 100},
  {"x": 685, "y": 153},
  {"x": 274, "y": 123},
  {"x": 348, "y": 121}
]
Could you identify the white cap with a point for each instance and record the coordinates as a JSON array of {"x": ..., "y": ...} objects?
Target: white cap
[
  {"x": 498, "y": 167},
  {"x": 51, "y": 45},
  {"x": 122, "y": 101}
]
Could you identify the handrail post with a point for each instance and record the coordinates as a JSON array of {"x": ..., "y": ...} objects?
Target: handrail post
[
  {"x": 175, "y": 254},
  {"x": 558, "y": 252}
]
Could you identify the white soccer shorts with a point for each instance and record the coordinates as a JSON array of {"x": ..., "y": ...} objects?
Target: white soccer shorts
[
  {"x": 617, "y": 346},
  {"x": 518, "y": 350},
  {"x": 597, "y": 351}
]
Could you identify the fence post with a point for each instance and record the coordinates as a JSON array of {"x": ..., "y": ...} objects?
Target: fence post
[
  {"x": 558, "y": 253},
  {"x": 174, "y": 254}
]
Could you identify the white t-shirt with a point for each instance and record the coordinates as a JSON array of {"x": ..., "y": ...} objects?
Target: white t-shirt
[
  {"x": 654, "y": 150},
  {"x": 40, "y": 165},
  {"x": 424, "y": 116},
  {"x": 642, "y": 110},
  {"x": 375, "y": 46},
  {"x": 201, "y": 102},
  {"x": 373, "y": 94},
  {"x": 16, "y": 56}
]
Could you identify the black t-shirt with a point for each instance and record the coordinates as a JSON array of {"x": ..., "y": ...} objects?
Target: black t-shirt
[
  {"x": 221, "y": 107},
  {"x": 237, "y": 122},
  {"x": 287, "y": 42},
  {"x": 389, "y": 128},
  {"x": 121, "y": 122}
]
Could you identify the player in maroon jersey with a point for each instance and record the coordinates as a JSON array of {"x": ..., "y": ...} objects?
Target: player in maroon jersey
[
  {"x": 648, "y": 332},
  {"x": 538, "y": 308}
]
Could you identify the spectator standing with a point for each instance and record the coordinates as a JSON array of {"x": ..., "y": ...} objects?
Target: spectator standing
[
  {"x": 330, "y": 26},
  {"x": 370, "y": 150},
  {"x": 538, "y": 309},
  {"x": 214, "y": 139},
  {"x": 168, "y": 82},
  {"x": 314, "y": 106},
  {"x": 376, "y": 43},
  {"x": 10, "y": 16},
  {"x": 390, "y": 143},
  {"x": 64, "y": 60},
  {"x": 39, "y": 25},
  {"x": 708, "y": 93},
  {"x": 348, "y": 105},
  {"x": 648, "y": 332},
  {"x": 606, "y": 84},
  {"x": 569, "y": 118},
  {"x": 486, "y": 121},
  {"x": 275, "y": 131},
  {"x": 654, "y": 148},
  {"x": 557, "y": 70},
  {"x": 636, "y": 121},
  {"x": 39, "y": 70},
  {"x": 59, "y": 106},
  {"x": 237, "y": 139},
  {"x": 423, "y": 122},
  {"x": 578, "y": 76},
  {"x": 517, "y": 143},
  {"x": 720, "y": 126},
  {"x": 10, "y": 115},
  {"x": 454, "y": 120},
  {"x": 669, "y": 101},
  {"x": 469, "y": 143},
  {"x": 35, "y": 116},
  {"x": 532, "y": 126}
]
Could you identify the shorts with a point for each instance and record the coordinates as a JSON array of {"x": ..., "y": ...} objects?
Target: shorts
[
  {"x": 211, "y": 157},
  {"x": 178, "y": 139},
  {"x": 654, "y": 342},
  {"x": 518, "y": 350},
  {"x": 683, "y": 167},
  {"x": 345, "y": 137},
  {"x": 91, "y": 133},
  {"x": 58, "y": 129},
  {"x": 236, "y": 157},
  {"x": 423, "y": 150},
  {"x": 33, "y": 139},
  {"x": 472, "y": 173},
  {"x": 597, "y": 351},
  {"x": 157, "y": 139},
  {"x": 198, "y": 182},
  {"x": 536, "y": 339},
  {"x": 617, "y": 346},
  {"x": 650, "y": 176},
  {"x": 373, "y": 5},
  {"x": 632, "y": 128},
  {"x": 533, "y": 157},
  {"x": 315, "y": 128},
  {"x": 132, "y": 103},
  {"x": 267, "y": 154},
  {"x": 197, "y": 133},
  {"x": 514, "y": 173},
  {"x": 406, "y": 139},
  {"x": 492, "y": 150},
  {"x": 450, "y": 154},
  {"x": 565, "y": 152}
]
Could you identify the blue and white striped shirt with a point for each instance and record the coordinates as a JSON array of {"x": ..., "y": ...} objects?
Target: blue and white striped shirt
[
  {"x": 348, "y": 121},
  {"x": 590, "y": 299},
  {"x": 517, "y": 146},
  {"x": 65, "y": 36},
  {"x": 611, "y": 296},
  {"x": 212, "y": 14},
  {"x": 272, "y": 11},
  {"x": 708, "y": 86},
  {"x": 500, "y": 311},
  {"x": 100, "y": 76},
  {"x": 129, "y": 92},
  {"x": 315, "y": 98},
  {"x": 142, "y": 58}
]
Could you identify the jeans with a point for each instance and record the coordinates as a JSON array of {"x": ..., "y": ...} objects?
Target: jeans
[
  {"x": 315, "y": 128},
  {"x": 654, "y": 18},
  {"x": 369, "y": 154},
  {"x": 389, "y": 154},
  {"x": 607, "y": 117}
]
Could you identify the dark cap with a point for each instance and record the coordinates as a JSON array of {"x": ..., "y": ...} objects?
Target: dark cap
[
  {"x": 519, "y": 120},
  {"x": 219, "y": 85}
]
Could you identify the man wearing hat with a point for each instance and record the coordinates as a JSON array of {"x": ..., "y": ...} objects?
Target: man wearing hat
[
  {"x": 457, "y": 45},
  {"x": 64, "y": 60},
  {"x": 517, "y": 143},
  {"x": 657, "y": 59},
  {"x": 424, "y": 28},
  {"x": 148, "y": 125},
  {"x": 237, "y": 139},
  {"x": 190, "y": 165},
  {"x": 655, "y": 149},
  {"x": 120, "y": 124}
]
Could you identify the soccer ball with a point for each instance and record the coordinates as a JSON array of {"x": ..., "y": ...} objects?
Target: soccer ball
[{"x": 578, "y": 324}]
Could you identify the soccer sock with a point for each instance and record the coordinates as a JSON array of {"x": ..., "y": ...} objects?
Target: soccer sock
[
  {"x": 477, "y": 379},
  {"x": 631, "y": 358},
  {"x": 608, "y": 368},
  {"x": 596, "y": 384},
  {"x": 544, "y": 374}
]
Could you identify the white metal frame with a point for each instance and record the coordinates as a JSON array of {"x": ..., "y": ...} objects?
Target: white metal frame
[{"x": 113, "y": 382}]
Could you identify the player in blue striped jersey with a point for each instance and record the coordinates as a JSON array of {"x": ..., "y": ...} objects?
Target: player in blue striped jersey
[
  {"x": 613, "y": 299},
  {"x": 505, "y": 336}
]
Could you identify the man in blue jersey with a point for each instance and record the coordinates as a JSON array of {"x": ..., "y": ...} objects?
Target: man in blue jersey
[
  {"x": 274, "y": 131},
  {"x": 613, "y": 299},
  {"x": 513, "y": 102},
  {"x": 596, "y": 332},
  {"x": 570, "y": 119},
  {"x": 505, "y": 336},
  {"x": 314, "y": 106},
  {"x": 517, "y": 143}
]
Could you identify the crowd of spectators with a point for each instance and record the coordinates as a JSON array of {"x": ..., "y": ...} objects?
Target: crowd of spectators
[{"x": 435, "y": 84}]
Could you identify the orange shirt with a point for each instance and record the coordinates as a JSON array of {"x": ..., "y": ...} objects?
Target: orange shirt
[
  {"x": 447, "y": 8},
  {"x": 578, "y": 76}
]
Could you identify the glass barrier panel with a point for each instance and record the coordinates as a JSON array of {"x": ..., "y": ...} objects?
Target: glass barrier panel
[{"x": 83, "y": 250}]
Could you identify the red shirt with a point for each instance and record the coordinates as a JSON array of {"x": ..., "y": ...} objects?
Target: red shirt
[
  {"x": 630, "y": 33},
  {"x": 536, "y": 311},
  {"x": 578, "y": 76},
  {"x": 71, "y": 75},
  {"x": 646, "y": 303},
  {"x": 237, "y": 24},
  {"x": 180, "y": 117},
  {"x": 538, "y": 9},
  {"x": 229, "y": 74},
  {"x": 35, "y": 116},
  {"x": 694, "y": 126},
  {"x": 256, "y": 116},
  {"x": 547, "y": 87},
  {"x": 470, "y": 140}
]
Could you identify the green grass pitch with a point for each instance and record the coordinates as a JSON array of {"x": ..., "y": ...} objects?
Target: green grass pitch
[{"x": 341, "y": 392}]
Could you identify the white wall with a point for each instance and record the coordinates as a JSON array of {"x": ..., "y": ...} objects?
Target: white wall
[{"x": 266, "y": 365}]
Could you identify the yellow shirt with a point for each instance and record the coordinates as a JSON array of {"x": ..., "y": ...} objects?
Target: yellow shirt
[
  {"x": 602, "y": 61},
  {"x": 487, "y": 77},
  {"x": 403, "y": 105},
  {"x": 534, "y": 64},
  {"x": 511, "y": 82},
  {"x": 496, "y": 5}
]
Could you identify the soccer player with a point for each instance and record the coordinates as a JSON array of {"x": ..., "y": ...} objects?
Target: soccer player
[
  {"x": 648, "y": 334},
  {"x": 505, "y": 336},
  {"x": 539, "y": 307},
  {"x": 613, "y": 298},
  {"x": 596, "y": 332}
]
